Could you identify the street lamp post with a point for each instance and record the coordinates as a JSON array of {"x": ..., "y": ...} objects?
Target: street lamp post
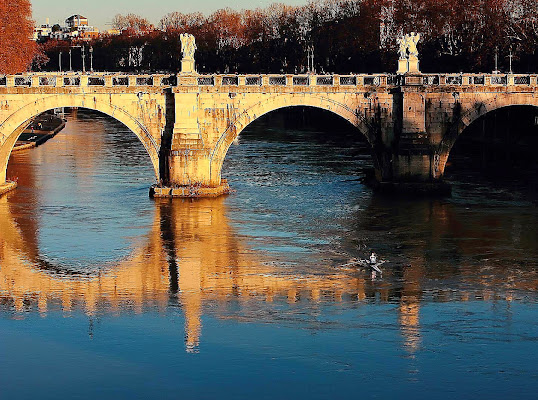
[
  {"x": 91, "y": 58},
  {"x": 60, "y": 61},
  {"x": 83, "y": 59},
  {"x": 70, "y": 64},
  {"x": 310, "y": 58}
]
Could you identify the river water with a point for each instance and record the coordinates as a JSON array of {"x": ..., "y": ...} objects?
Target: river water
[{"x": 105, "y": 293}]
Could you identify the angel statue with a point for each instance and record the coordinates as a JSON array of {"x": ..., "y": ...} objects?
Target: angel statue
[
  {"x": 412, "y": 41},
  {"x": 188, "y": 45},
  {"x": 402, "y": 41}
]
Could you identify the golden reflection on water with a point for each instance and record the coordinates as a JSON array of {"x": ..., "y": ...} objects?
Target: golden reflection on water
[
  {"x": 191, "y": 254},
  {"x": 192, "y": 257}
]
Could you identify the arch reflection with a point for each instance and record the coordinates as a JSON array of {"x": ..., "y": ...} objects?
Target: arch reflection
[{"x": 191, "y": 257}]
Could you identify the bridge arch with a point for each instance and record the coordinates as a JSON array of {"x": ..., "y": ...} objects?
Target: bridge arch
[
  {"x": 14, "y": 125},
  {"x": 273, "y": 103},
  {"x": 475, "y": 111}
]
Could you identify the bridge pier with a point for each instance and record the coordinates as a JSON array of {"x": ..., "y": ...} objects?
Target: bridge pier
[
  {"x": 190, "y": 176},
  {"x": 188, "y": 160},
  {"x": 410, "y": 162}
]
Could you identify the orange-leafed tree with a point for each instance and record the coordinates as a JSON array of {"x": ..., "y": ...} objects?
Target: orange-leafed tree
[{"x": 17, "y": 48}]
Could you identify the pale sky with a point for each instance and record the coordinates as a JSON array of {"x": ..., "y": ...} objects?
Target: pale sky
[{"x": 101, "y": 12}]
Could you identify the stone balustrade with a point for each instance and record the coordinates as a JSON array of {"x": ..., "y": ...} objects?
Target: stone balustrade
[
  {"x": 79, "y": 79},
  {"x": 253, "y": 80}
]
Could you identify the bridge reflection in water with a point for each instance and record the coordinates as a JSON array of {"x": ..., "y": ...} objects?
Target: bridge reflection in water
[{"x": 191, "y": 256}]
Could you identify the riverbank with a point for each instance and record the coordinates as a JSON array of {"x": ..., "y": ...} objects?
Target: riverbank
[{"x": 44, "y": 127}]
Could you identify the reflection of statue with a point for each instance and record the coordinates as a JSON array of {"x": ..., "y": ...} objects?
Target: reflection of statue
[{"x": 188, "y": 46}]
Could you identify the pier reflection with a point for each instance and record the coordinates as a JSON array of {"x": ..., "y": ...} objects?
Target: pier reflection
[{"x": 193, "y": 258}]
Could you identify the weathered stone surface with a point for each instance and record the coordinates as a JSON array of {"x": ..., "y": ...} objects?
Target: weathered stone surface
[{"x": 188, "y": 128}]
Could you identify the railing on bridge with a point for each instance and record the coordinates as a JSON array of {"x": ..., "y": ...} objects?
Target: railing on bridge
[
  {"x": 279, "y": 80},
  {"x": 93, "y": 79},
  {"x": 252, "y": 80},
  {"x": 476, "y": 79}
]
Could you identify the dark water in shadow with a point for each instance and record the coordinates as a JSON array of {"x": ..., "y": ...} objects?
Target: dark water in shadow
[{"x": 105, "y": 293}]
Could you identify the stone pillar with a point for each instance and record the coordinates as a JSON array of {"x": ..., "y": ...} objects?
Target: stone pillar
[
  {"x": 403, "y": 66},
  {"x": 186, "y": 157},
  {"x": 187, "y": 65},
  {"x": 186, "y": 132},
  {"x": 412, "y": 161},
  {"x": 413, "y": 65}
]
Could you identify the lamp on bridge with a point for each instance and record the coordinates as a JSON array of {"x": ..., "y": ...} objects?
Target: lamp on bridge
[{"x": 188, "y": 47}]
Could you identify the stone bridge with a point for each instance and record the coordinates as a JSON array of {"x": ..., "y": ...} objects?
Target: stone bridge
[{"x": 188, "y": 121}]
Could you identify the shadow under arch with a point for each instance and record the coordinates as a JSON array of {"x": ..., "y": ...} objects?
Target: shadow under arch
[
  {"x": 466, "y": 119},
  {"x": 14, "y": 125},
  {"x": 251, "y": 114}
]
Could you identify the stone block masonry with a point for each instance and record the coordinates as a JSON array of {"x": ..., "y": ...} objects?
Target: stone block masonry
[{"x": 187, "y": 122}]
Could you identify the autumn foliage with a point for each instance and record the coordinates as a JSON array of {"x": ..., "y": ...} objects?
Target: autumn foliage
[
  {"x": 16, "y": 28},
  {"x": 346, "y": 35}
]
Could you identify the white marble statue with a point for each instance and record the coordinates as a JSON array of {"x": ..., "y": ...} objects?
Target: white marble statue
[
  {"x": 412, "y": 41},
  {"x": 188, "y": 45},
  {"x": 402, "y": 41},
  {"x": 408, "y": 62},
  {"x": 408, "y": 45}
]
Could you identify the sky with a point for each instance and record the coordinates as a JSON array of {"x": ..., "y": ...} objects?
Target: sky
[{"x": 101, "y": 12}]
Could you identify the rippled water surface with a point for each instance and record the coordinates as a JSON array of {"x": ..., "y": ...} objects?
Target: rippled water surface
[{"x": 105, "y": 293}]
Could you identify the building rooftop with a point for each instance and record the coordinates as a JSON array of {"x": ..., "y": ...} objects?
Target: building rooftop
[{"x": 76, "y": 16}]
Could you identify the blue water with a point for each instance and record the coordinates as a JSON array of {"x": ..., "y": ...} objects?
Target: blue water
[{"x": 105, "y": 293}]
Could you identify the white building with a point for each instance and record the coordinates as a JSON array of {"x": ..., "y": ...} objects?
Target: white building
[
  {"x": 76, "y": 28},
  {"x": 42, "y": 32},
  {"x": 75, "y": 21}
]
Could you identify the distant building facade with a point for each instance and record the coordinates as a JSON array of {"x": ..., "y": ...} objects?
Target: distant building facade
[
  {"x": 75, "y": 21},
  {"x": 42, "y": 32},
  {"x": 76, "y": 27}
]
